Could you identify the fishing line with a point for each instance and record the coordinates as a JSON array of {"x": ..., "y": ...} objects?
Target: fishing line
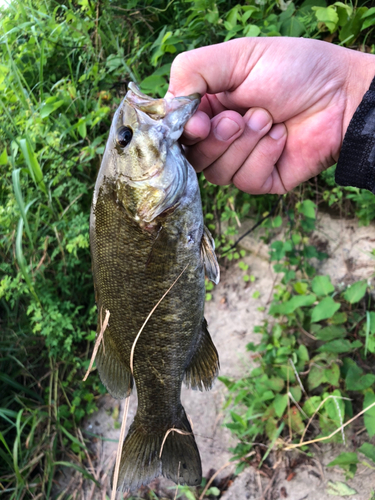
[
  {"x": 272, "y": 211},
  {"x": 149, "y": 316},
  {"x": 173, "y": 429}
]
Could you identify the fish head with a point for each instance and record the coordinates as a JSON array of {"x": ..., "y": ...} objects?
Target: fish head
[{"x": 143, "y": 155}]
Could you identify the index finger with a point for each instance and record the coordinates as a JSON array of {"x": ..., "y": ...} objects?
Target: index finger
[{"x": 215, "y": 68}]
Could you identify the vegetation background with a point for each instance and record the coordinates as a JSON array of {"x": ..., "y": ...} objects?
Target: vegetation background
[{"x": 64, "y": 66}]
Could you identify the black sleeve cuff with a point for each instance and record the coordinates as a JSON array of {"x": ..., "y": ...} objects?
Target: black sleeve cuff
[{"x": 356, "y": 164}]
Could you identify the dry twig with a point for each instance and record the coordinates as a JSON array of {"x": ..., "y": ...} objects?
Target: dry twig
[
  {"x": 98, "y": 340},
  {"x": 119, "y": 450}
]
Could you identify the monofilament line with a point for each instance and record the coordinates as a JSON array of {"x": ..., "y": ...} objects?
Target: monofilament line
[
  {"x": 98, "y": 340},
  {"x": 172, "y": 429},
  {"x": 149, "y": 316},
  {"x": 119, "y": 450}
]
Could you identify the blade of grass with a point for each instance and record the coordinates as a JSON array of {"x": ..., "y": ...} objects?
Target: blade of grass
[
  {"x": 368, "y": 324},
  {"x": 272, "y": 443},
  {"x": 84, "y": 472},
  {"x": 72, "y": 438},
  {"x": 20, "y": 257},
  {"x": 33, "y": 164},
  {"x": 16, "y": 447},
  {"x": 8, "y": 380},
  {"x": 19, "y": 198},
  {"x": 2, "y": 439},
  {"x": 5, "y": 413}
]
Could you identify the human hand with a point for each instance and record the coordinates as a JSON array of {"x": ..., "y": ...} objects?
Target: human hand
[{"x": 309, "y": 88}]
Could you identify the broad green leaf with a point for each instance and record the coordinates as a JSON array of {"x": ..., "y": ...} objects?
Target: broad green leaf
[
  {"x": 316, "y": 377},
  {"x": 32, "y": 164},
  {"x": 212, "y": 491},
  {"x": 321, "y": 285},
  {"x": 354, "y": 293},
  {"x": 307, "y": 208},
  {"x": 335, "y": 407},
  {"x": 152, "y": 82},
  {"x": 275, "y": 384},
  {"x": 303, "y": 354},
  {"x": 325, "y": 309},
  {"x": 49, "y": 108},
  {"x": 311, "y": 405},
  {"x": 345, "y": 458},
  {"x": 369, "y": 21},
  {"x": 296, "y": 392},
  {"x": 300, "y": 287},
  {"x": 338, "y": 318},
  {"x": 337, "y": 488},
  {"x": 368, "y": 450},
  {"x": 296, "y": 420},
  {"x": 280, "y": 403},
  {"x": 357, "y": 381},
  {"x": 330, "y": 332},
  {"x": 344, "y": 12},
  {"x": 292, "y": 27},
  {"x": 4, "y": 157},
  {"x": 368, "y": 13},
  {"x": 251, "y": 30},
  {"x": 328, "y": 16},
  {"x": 332, "y": 374},
  {"x": 291, "y": 305},
  {"x": 369, "y": 415},
  {"x": 339, "y": 345},
  {"x": 81, "y": 126},
  {"x": 351, "y": 29}
]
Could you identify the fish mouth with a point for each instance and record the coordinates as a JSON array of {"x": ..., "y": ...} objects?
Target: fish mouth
[{"x": 158, "y": 109}]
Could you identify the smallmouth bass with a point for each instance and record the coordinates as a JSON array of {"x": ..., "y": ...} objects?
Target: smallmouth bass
[{"x": 146, "y": 230}]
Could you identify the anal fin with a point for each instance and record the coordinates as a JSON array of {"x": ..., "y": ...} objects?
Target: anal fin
[
  {"x": 204, "y": 365},
  {"x": 114, "y": 374}
]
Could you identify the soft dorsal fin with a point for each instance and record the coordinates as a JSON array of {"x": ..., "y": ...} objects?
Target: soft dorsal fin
[{"x": 209, "y": 257}]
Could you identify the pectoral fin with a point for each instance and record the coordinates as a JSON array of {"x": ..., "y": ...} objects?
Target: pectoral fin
[
  {"x": 204, "y": 365},
  {"x": 209, "y": 257}
]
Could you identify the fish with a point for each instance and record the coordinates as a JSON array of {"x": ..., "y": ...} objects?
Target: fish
[{"x": 148, "y": 240}]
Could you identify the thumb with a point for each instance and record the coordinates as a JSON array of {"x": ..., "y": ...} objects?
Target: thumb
[{"x": 212, "y": 69}]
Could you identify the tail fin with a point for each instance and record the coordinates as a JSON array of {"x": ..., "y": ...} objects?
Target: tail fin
[{"x": 141, "y": 462}]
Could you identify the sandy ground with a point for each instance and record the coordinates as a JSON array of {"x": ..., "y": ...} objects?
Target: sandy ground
[{"x": 232, "y": 314}]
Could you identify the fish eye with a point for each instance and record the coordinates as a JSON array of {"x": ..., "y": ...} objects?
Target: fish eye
[{"x": 124, "y": 136}]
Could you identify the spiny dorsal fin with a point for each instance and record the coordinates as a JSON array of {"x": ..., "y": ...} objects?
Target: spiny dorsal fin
[{"x": 209, "y": 257}]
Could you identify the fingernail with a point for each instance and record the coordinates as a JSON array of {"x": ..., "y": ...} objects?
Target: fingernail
[
  {"x": 258, "y": 120},
  {"x": 169, "y": 95},
  {"x": 225, "y": 129},
  {"x": 278, "y": 131}
]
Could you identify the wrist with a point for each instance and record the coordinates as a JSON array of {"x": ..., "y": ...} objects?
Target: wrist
[{"x": 361, "y": 72}]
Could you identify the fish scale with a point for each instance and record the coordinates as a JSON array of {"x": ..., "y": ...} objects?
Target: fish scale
[{"x": 146, "y": 230}]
